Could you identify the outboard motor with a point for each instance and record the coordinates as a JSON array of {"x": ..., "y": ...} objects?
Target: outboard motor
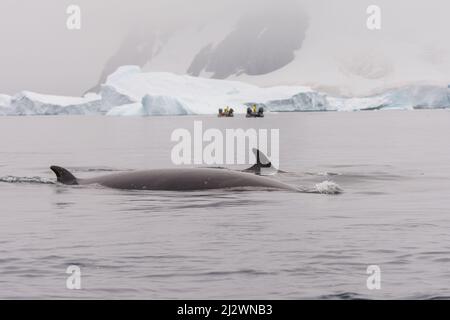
[{"x": 261, "y": 112}]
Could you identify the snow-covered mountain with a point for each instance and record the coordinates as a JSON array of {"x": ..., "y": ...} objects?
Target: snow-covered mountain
[
  {"x": 252, "y": 42},
  {"x": 294, "y": 44},
  {"x": 322, "y": 44}
]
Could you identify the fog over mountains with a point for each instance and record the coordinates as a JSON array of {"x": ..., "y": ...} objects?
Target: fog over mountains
[
  {"x": 256, "y": 42},
  {"x": 321, "y": 44}
]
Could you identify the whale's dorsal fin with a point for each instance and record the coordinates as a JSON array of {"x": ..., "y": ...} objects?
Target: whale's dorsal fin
[
  {"x": 261, "y": 162},
  {"x": 261, "y": 159},
  {"x": 64, "y": 176}
]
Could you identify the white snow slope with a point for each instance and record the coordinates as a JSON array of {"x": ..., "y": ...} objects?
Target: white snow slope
[{"x": 131, "y": 92}]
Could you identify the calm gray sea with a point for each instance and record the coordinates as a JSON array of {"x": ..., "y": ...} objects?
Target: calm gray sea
[{"x": 394, "y": 212}]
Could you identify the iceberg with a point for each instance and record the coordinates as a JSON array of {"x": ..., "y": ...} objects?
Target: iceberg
[
  {"x": 5, "y": 102},
  {"x": 193, "y": 95},
  {"x": 131, "y": 92},
  {"x": 304, "y": 101},
  {"x": 112, "y": 98},
  {"x": 419, "y": 97},
  {"x": 163, "y": 93},
  {"x": 152, "y": 106},
  {"x": 132, "y": 109},
  {"x": 30, "y": 103},
  {"x": 407, "y": 98},
  {"x": 164, "y": 105}
]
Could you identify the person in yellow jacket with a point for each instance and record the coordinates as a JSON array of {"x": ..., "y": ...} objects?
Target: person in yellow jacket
[
  {"x": 254, "y": 108},
  {"x": 226, "y": 110}
]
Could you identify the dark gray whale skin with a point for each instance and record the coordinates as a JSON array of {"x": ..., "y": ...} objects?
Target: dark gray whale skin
[
  {"x": 175, "y": 180},
  {"x": 182, "y": 179}
]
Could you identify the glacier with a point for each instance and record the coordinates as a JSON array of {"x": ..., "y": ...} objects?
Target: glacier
[{"x": 131, "y": 92}]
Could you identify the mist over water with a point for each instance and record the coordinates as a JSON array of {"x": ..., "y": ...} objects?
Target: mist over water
[{"x": 393, "y": 167}]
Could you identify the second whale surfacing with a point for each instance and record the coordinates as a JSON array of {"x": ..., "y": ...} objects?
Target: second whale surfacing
[{"x": 179, "y": 179}]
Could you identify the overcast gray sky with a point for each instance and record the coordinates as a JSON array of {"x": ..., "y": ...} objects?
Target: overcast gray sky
[{"x": 38, "y": 53}]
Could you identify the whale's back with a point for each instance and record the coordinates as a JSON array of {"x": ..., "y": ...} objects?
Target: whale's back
[{"x": 184, "y": 180}]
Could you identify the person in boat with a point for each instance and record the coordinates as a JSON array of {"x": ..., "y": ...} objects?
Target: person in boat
[
  {"x": 254, "y": 111},
  {"x": 226, "y": 112}
]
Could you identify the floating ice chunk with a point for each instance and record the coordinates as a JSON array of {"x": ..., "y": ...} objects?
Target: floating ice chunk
[
  {"x": 30, "y": 103},
  {"x": 407, "y": 98},
  {"x": 419, "y": 97},
  {"x": 5, "y": 102}
]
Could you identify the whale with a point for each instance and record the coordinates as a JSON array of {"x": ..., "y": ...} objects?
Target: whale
[{"x": 180, "y": 179}]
